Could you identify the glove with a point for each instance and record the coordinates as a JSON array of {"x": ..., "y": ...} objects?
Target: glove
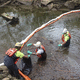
[
  {"x": 59, "y": 44},
  {"x": 29, "y": 44},
  {"x": 29, "y": 52},
  {"x": 28, "y": 56}
]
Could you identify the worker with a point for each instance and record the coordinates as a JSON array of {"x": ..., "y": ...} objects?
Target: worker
[
  {"x": 11, "y": 57},
  {"x": 40, "y": 51},
  {"x": 66, "y": 36}
]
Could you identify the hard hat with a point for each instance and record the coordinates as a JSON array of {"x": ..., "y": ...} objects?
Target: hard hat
[
  {"x": 65, "y": 30},
  {"x": 38, "y": 44},
  {"x": 18, "y": 44}
]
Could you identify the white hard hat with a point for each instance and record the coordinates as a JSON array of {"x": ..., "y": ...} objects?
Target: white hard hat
[
  {"x": 38, "y": 44},
  {"x": 65, "y": 30},
  {"x": 18, "y": 44}
]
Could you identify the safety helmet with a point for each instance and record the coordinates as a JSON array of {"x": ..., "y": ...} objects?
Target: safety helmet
[
  {"x": 38, "y": 44},
  {"x": 65, "y": 30},
  {"x": 18, "y": 44}
]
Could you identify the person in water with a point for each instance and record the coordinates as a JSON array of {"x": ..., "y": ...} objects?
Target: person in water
[
  {"x": 40, "y": 50},
  {"x": 66, "y": 37}
]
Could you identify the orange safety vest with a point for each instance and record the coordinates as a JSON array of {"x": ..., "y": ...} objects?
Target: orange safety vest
[
  {"x": 64, "y": 37},
  {"x": 10, "y": 53},
  {"x": 40, "y": 54}
]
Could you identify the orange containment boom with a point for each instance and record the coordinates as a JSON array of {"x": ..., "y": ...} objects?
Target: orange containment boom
[
  {"x": 24, "y": 76},
  {"x": 47, "y": 24}
]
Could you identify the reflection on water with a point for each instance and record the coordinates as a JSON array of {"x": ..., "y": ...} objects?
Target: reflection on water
[{"x": 28, "y": 22}]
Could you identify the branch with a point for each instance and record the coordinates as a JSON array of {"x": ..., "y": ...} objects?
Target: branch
[{"x": 5, "y": 3}]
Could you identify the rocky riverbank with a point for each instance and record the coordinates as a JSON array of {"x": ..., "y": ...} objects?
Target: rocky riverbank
[
  {"x": 4, "y": 74},
  {"x": 44, "y": 4}
]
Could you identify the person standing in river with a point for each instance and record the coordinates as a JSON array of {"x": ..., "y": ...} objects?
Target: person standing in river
[
  {"x": 66, "y": 37},
  {"x": 11, "y": 57},
  {"x": 40, "y": 51}
]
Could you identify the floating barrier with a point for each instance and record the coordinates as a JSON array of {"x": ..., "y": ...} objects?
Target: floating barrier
[
  {"x": 1, "y": 64},
  {"x": 47, "y": 24}
]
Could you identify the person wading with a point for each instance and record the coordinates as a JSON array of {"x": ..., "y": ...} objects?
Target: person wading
[
  {"x": 66, "y": 36},
  {"x": 11, "y": 57},
  {"x": 40, "y": 51}
]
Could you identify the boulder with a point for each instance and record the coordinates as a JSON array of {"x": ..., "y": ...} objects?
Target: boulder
[
  {"x": 4, "y": 68},
  {"x": 45, "y": 2},
  {"x": 50, "y": 6},
  {"x": 3, "y": 72}
]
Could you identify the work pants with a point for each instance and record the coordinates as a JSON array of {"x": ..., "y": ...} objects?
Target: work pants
[
  {"x": 13, "y": 70},
  {"x": 67, "y": 43}
]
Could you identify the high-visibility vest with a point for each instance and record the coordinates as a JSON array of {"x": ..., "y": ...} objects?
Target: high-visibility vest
[
  {"x": 11, "y": 51},
  {"x": 67, "y": 34}
]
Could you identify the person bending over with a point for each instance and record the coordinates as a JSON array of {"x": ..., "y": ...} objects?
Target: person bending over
[{"x": 11, "y": 57}]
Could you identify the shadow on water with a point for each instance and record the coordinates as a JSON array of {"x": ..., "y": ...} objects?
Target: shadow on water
[{"x": 62, "y": 63}]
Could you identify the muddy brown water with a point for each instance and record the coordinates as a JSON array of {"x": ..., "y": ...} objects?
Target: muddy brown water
[{"x": 61, "y": 64}]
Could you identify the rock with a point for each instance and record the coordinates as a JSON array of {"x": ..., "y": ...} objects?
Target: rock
[
  {"x": 57, "y": 6},
  {"x": 5, "y": 79},
  {"x": 3, "y": 72},
  {"x": 76, "y": 1},
  {"x": 45, "y": 2},
  {"x": 4, "y": 68},
  {"x": 70, "y": 4},
  {"x": 25, "y": 2},
  {"x": 54, "y": 9},
  {"x": 50, "y": 6},
  {"x": 9, "y": 76}
]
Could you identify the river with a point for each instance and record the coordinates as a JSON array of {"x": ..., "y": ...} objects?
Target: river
[{"x": 29, "y": 21}]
